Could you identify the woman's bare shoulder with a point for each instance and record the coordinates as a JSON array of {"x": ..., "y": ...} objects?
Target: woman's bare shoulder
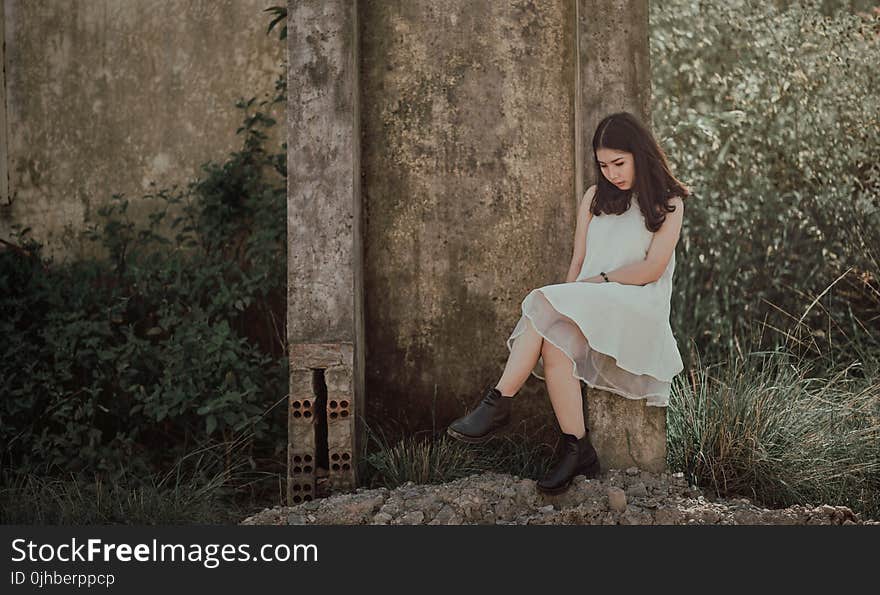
[{"x": 587, "y": 198}]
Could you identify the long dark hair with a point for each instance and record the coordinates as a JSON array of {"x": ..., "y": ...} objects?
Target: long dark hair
[{"x": 652, "y": 179}]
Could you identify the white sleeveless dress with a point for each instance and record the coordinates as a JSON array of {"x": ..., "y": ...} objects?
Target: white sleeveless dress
[{"x": 617, "y": 336}]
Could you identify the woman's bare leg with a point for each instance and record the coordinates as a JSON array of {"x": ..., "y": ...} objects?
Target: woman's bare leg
[
  {"x": 564, "y": 389},
  {"x": 523, "y": 357}
]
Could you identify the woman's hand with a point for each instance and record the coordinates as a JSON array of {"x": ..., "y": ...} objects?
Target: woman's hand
[{"x": 593, "y": 279}]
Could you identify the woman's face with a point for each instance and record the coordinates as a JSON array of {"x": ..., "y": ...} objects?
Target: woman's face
[{"x": 617, "y": 167}]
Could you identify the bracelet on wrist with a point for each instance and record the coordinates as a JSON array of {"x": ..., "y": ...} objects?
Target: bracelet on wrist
[{"x": 604, "y": 276}]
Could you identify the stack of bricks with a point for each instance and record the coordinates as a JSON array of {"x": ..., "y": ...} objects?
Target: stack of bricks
[
  {"x": 320, "y": 419},
  {"x": 340, "y": 423},
  {"x": 301, "y": 437}
]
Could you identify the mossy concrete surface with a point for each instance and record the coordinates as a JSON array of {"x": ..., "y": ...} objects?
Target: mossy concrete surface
[{"x": 468, "y": 181}]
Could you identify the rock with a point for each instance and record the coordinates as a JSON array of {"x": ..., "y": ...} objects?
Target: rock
[
  {"x": 349, "y": 509},
  {"x": 415, "y": 517},
  {"x": 392, "y": 509},
  {"x": 649, "y": 479},
  {"x": 382, "y": 519},
  {"x": 632, "y": 471},
  {"x": 506, "y": 510},
  {"x": 637, "y": 490},
  {"x": 616, "y": 499},
  {"x": 634, "y": 515},
  {"x": 708, "y": 516},
  {"x": 297, "y": 519},
  {"x": 446, "y": 516},
  {"x": 747, "y": 517},
  {"x": 668, "y": 515}
]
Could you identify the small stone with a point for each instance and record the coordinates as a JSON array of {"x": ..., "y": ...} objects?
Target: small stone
[
  {"x": 746, "y": 517},
  {"x": 296, "y": 519},
  {"x": 616, "y": 499},
  {"x": 637, "y": 490},
  {"x": 390, "y": 508},
  {"x": 446, "y": 516},
  {"x": 635, "y": 516},
  {"x": 416, "y": 517},
  {"x": 546, "y": 509},
  {"x": 668, "y": 515},
  {"x": 632, "y": 471},
  {"x": 382, "y": 519}
]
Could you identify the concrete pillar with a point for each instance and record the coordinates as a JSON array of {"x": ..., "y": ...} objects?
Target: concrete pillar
[
  {"x": 5, "y": 190},
  {"x": 614, "y": 74},
  {"x": 325, "y": 289}
]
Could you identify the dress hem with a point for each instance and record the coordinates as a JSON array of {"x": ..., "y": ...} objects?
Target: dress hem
[
  {"x": 646, "y": 398},
  {"x": 632, "y": 370}
]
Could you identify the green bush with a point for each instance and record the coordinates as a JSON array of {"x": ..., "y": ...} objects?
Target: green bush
[
  {"x": 120, "y": 366},
  {"x": 773, "y": 117}
]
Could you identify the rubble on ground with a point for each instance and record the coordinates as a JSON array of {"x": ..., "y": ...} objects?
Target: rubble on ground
[{"x": 616, "y": 497}]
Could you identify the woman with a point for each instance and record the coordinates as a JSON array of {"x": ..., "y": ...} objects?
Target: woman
[{"x": 608, "y": 324}]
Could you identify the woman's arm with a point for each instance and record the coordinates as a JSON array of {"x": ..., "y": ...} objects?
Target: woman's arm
[
  {"x": 659, "y": 252},
  {"x": 579, "y": 252}
]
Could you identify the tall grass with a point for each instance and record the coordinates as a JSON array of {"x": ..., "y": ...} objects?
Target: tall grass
[
  {"x": 764, "y": 424},
  {"x": 201, "y": 488}
]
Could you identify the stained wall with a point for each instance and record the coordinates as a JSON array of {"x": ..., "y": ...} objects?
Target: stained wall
[{"x": 106, "y": 96}]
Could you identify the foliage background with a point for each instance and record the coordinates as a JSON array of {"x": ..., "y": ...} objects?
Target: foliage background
[{"x": 771, "y": 112}]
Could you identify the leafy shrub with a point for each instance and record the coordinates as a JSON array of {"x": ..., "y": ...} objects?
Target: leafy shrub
[
  {"x": 773, "y": 117},
  {"x": 120, "y": 366}
]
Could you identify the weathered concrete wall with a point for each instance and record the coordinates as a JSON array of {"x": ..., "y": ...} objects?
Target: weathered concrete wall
[
  {"x": 469, "y": 193},
  {"x": 106, "y": 97},
  {"x": 614, "y": 68}
]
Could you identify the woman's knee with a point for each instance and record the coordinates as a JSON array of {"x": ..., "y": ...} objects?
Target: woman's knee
[{"x": 551, "y": 352}]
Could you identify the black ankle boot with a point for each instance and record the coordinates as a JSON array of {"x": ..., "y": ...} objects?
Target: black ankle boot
[
  {"x": 578, "y": 458},
  {"x": 491, "y": 415}
]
